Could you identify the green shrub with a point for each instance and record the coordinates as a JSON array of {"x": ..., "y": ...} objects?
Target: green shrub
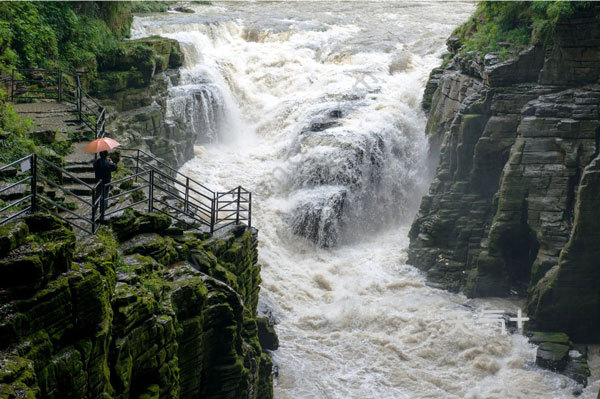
[
  {"x": 68, "y": 35},
  {"x": 507, "y": 27},
  {"x": 144, "y": 7}
]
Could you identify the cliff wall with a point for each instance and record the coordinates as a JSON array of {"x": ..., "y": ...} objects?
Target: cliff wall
[
  {"x": 514, "y": 206},
  {"x": 141, "y": 311},
  {"x": 134, "y": 88}
]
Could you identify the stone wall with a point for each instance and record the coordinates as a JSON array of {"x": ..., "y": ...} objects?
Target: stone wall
[
  {"x": 511, "y": 209},
  {"x": 143, "y": 310}
]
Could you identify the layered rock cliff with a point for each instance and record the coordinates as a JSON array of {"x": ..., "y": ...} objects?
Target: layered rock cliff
[
  {"x": 515, "y": 204},
  {"x": 134, "y": 88},
  {"x": 143, "y": 310}
]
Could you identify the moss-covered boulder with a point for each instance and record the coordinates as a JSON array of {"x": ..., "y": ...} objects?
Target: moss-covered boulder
[
  {"x": 140, "y": 61},
  {"x": 17, "y": 378},
  {"x": 11, "y": 236},
  {"x": 133, "y": 222},
  {"x": 34, "y": 259},
  {"x": 552, "y": 356},
  {"x": 153, "y": 245}
]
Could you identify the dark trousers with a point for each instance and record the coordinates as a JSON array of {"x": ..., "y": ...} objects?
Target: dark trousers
[{"x": 102, "y": 193}]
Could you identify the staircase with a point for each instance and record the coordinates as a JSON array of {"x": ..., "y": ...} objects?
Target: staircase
[{"x": 71, "y": 192}]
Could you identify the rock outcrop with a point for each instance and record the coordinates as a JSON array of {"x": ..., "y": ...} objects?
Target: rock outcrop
[
  {"x": 161, "y": 314},
  {"x": 514, "y": 204},
  {"x": 134, "y": 88}
]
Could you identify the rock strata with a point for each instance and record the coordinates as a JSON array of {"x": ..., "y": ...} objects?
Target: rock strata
[
  {"x": 513, "y": 208},
  {"x": 158, "y": 314}
]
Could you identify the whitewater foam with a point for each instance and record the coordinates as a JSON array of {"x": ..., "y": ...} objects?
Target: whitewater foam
[{"x": 354, "y": 321}]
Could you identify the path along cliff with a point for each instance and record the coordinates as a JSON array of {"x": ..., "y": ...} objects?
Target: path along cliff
[
  {"x": 514, "y": 206},
  {"x": 144, "y": 308}
]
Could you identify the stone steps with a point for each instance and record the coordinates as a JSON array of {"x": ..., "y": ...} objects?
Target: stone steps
[
  {"x": 84, "y": 176},
  {"x": 79, "y": 168},
  {"x": 77, "y": 189}
]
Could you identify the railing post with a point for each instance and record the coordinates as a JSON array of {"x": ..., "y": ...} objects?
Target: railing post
[
  {"x": 187, "y": 195},
  {"x": 213, "y": 217},
  {"x": 93, "y": 210},
  {"x": 60, "y": 86},
  {"x": 33, "y": 183},
  {"x": 79, "y": 98},
  {"x": 12, "y": 87},
  {"x": 249, "y": 210},
  {"x": 137, "y": 164},
  {"x": 237, "y": 214},
  {"x": 151, "y": 192},
  {"x": 103, "y": 201}
]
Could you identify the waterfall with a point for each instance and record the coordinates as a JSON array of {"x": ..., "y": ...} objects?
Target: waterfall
[{"x": 316, "y": 108}]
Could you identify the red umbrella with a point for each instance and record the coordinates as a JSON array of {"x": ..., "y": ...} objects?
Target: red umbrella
[{"x": 99, "y": 145}]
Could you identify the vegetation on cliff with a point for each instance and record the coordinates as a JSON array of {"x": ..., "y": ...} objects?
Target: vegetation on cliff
[
  {"x": 506, "y": 27},
  {"x": 142, "y": 310},
  {"x": 67, "y": 35}
]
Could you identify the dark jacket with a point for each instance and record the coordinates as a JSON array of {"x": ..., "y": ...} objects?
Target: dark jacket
[{"x": 103, "y": 169}]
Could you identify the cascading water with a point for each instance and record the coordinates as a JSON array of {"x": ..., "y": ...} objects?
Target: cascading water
[{"x": 315, "y": 107}]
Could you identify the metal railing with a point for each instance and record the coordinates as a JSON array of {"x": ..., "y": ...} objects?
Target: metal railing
[
  {"x": 55, "y": 84},
  {"x": 213, "y": 209},
  {"x": 159, "y": 191},
  {"x": 40, "y": 171}
]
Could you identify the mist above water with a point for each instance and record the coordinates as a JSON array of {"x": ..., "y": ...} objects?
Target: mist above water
[{"x": 315, "y": 108}]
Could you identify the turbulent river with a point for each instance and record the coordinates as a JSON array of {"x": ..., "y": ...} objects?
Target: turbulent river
[{"x": 315, "y": 108}]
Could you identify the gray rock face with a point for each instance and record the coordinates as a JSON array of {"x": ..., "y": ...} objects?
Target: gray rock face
[{"x": 514, "y": 204}]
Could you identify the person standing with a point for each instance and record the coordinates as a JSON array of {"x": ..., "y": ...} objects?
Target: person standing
[{"x": 103, "y": 168}]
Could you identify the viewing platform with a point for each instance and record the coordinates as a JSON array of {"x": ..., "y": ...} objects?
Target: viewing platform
[{"x": 61, "y": 110}]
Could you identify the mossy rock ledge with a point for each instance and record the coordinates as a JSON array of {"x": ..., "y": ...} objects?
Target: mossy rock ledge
[{"x": 151, "y": 313}]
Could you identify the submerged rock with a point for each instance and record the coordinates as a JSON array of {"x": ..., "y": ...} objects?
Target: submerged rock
[{"x": 556, "y": 352}]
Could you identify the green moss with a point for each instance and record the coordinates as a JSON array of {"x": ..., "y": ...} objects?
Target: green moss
[
  {"x": 557, "y": 338},
  {"x": 11, "y": 236},
  {"x": 505, "y": 28}
]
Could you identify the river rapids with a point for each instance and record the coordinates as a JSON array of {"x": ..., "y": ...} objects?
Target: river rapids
[{"x": 315, "y": 107}]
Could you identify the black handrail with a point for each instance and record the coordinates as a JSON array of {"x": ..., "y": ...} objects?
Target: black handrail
[
  {"x": 198, "y": 203},
  {"x": 52, "y": 85},
  {"x": 213, "y": 205},
  {"x": 163, "y": 197}
]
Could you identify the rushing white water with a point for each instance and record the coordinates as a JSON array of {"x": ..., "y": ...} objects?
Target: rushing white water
[{"x": 315, "y": 108}]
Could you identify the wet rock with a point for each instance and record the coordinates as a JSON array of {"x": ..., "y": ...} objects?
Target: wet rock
[
  {"x": 556, "y": 338},
  {"x": 153, "y": 245},
  {"x": 552, "y": 356},
  {"x": 17, "y": 378},
  {"x": 556, "y": 352},
  {"x": 266, "y": 334},
  {"x": 184, "y": 10},
  {"x": 513, "y": 206},
  {"x": 15, "y": 192},
  {"x": 133, "y": 222},
  {"x": 12, "y": 236},
  {"x": 319, "y": 219}
]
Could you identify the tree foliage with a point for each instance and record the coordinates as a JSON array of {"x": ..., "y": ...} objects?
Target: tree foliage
[
  {"x": 505, "y": 27},
  {"x": 60, "y": 34}
]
